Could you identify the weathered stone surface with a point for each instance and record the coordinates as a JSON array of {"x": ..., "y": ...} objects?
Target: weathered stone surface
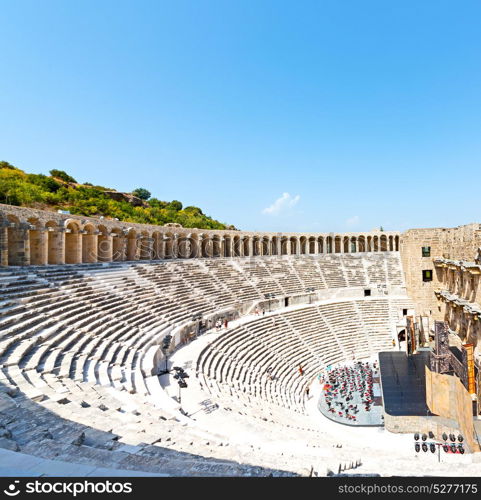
[
  {"x": 5, "y": 433},
  {"x": 8, "y": 444},
  {"x": 79, "y": 440}
]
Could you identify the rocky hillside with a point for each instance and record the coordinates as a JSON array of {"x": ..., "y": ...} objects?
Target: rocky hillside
[{"x": 60, "y": 191}]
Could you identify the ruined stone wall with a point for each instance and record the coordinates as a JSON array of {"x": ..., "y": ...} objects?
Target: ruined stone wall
[
  {"x": 447, "y": 397},
  {"x": 452, "y": 243}
]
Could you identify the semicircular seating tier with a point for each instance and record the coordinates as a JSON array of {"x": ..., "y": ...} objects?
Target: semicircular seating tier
[{"x": 79, "y": 353}]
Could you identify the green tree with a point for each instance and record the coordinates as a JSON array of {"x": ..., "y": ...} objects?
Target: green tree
[
  {"x": 60, "y": 174},
  {"x": 5, "y": 164},
  {"x": 174, "y": 205},
  {"x": 141, "y": 193},
  {"x": 41, "y": 191}
]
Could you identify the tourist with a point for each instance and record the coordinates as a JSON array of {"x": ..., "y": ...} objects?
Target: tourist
[{"x": 301, "y": 370}]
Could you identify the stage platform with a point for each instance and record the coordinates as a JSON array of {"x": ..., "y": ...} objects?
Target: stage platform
[
  {"x": 403, "y": 382},
  {"x": 371, "y": 418}
]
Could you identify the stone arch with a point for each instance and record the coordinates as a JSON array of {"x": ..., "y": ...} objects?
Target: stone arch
[
  {"x": 285, "y": 250},
  {"x": 353, "y": 248},
  {"x": 73, "y": 242},
  {"x": 294, "y": 245},
  {"x": 361, "y": 244},
  {"x": 184, "y": 246},
  {"x": 383, "y": 241},
  {"x": 194, "y": 245},
  {"x": 227, "y": 251},
  {"x": 274, "y": 244},
  {"x": 255, "y": 246},
  {"x": 246, "y": 246},
  {"x": 37, "y": 236},
  {"x": 345, "y": 244},
  {"x": 216, "y": 246},
  {"x": 369, "y": 247},
  {"x": 303, "y": 245},
  {"x": 396, "y": 243},
  {"x": 337, "y": 244},
  {"x": 264, "y": 246},
  {"x": 320, "y": 244},
  {"x": 207, "y": 246},
  {"x": 329, "y": 244},
  {"x": 375, "y": 244},
  {"x": 391, "y": 243},
  {"x": 89, "y": 243},
  {"x": 119, "y": 244},
  {"x": 311, "y": 245}
]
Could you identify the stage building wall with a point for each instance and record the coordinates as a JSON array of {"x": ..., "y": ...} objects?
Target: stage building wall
[{"x": 447, "y": 397}]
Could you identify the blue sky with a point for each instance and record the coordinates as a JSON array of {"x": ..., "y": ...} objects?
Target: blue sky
[{"x": 270, "y": 115}]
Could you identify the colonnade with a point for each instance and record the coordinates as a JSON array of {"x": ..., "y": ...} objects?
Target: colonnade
[{"x": 72, "y": 241}]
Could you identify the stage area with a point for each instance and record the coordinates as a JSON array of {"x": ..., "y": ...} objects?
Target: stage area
[
  {"x": 403, "y": 382},
  {"x": 351, "y": 394}
]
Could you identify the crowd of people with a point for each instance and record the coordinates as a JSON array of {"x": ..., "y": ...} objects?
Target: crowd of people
[{"x": 349, "y": 389}]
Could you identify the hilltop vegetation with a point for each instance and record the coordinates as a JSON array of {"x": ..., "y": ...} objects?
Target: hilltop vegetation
[{"x": 59, "y": 190}]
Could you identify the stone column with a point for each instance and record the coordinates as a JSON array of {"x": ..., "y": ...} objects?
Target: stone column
[
  {"x": 200, "y": 239},
  {"x": 105, "y": 247},
  {"x": 123, "y": 247},
  {"x": 250, "y": 248},
  {"x": 3, "y": 245},
  {"x": 175, "y": 246},
  {"x": 79, "y": 253},
  {"x": 89, "y": 246},
  {"x": 132, "y": 247},
  {"x": 56, "y": 246},
  {"x": 44, "y": 247},
  {"x": 146, "y": 248},
  {"x": 138, "y": 247},
  {"x": 240, "y": 248},
  {"x": 39, "y": 247},
  {"x": 221, "y": 246},
  {"x": 161, "y": 246},
  {"x": 20, "y": 245}
]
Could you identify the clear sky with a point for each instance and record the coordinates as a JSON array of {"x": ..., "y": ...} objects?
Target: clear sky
[{"x": 322, "y": 115}]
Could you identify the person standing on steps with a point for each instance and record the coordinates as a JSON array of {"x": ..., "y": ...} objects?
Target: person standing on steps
[{"x": 301, "y": 370}]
